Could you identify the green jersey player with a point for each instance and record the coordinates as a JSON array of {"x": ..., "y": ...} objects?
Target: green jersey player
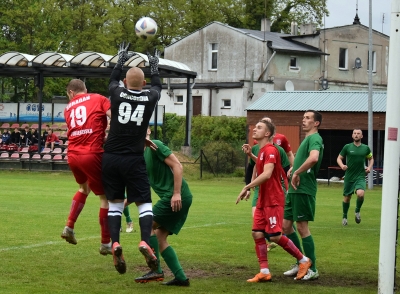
[{"x": 355, "y": 154}]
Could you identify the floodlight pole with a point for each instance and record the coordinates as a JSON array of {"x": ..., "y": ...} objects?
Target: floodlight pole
[
  {"x": 370, "y": 110},
  {"x": 390, "y": 187}
]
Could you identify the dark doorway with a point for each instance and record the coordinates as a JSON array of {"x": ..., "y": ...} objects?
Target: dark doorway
[{"x": 197, "y": 101}]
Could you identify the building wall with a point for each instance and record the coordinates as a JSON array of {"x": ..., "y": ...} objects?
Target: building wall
[
  {"x": 355, "y": 39},
  {"x": 238, "y": 54}
]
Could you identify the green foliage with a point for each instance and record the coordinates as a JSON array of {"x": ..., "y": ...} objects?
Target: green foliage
[
  {"x": 205, "y": 129},
  {"x": 222, "y": 157}
]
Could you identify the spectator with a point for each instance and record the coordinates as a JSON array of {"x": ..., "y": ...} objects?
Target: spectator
[
  {"x": 15, "y": 137},
  {"x": 6, "y": 137},
  {"x": 34, "y": 137},
  {"x": 51, "y": 139},
  {"x": 45, "y": 134},
  {"x": 25, "y": 136}
]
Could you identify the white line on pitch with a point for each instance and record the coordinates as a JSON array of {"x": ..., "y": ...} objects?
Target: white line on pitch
[{"x": 87, "y": 238}]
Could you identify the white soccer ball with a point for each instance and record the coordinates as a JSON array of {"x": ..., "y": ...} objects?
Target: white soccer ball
[{"x": 146, "y": 27}]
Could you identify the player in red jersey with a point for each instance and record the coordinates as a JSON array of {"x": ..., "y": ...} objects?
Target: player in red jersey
[
  {"x": 268, "y": 215},
  {"x": 86, "y": 117}
]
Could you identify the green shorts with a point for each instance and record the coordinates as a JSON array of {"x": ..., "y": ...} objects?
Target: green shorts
[
  {"x": 350, "y": 187},
  {"x": 169, "y": 220},
  {"x": 299, "y": 207},
  {"x": 255, "y": 197}
]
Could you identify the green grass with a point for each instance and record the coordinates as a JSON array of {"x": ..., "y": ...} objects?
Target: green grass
[{"x": 215, "y": 246}]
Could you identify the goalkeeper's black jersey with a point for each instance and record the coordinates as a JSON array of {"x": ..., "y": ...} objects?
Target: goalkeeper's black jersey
[{"x": 130, "y": 115}]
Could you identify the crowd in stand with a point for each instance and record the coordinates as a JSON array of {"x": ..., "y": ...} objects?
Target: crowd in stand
[{"x": 28, "y": 136}]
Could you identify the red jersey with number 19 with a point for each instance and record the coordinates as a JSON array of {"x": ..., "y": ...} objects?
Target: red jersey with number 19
[
  {"x": 270, "y": 193},
  {"x": 86, "y": 118}
]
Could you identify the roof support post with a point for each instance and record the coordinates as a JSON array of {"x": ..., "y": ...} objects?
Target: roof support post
[{"x": 39, "y": 82}]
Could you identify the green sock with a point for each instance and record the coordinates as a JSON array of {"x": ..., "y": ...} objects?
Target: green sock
[
  {"x": 345, "y": 208},
  {"x": 127, "y": 215},
  {"x": 296, "y": 241},
  {"x": 359, "y": 203},
  {"x": 171, "y": 259},
  {"x": 309, "y": 250},
  {"x": 154, "y": 244}
]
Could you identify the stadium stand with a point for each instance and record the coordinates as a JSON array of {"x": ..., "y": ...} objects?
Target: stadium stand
[
  {"x": 5, "y": 155},
  {"x": 36, "y": 157},
  {"x": 46, "y": 150},
  {"x": 24, "y": 150},
  {"x": 25, "y": 156},
  {"x": 15, "y": 126},
  {"x": 35, "y": 126},
  {"x": 57, "y": 151},
  {"x": 15, "y": 155},
  {"x": 46, "y": 157},
  {"x": 24, "y": 125},
  {"x": 5, "y": 126},
  {"x": 57, "y": 157},
  {"x": 63, "y": 127}
]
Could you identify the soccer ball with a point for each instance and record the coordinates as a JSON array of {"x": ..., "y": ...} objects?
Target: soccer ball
[{"x": 146, "y": 27}]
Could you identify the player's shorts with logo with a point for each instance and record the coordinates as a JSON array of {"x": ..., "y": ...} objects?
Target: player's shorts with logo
[
  {"x": 268, "y": 219},
  {"x": 168, "y": 219},
  {"x": 120, "y": 171},
  {"x": 350, "y": 187},
  {"x": 299, "y": 207},
  {"x": 87, "y": 168}
]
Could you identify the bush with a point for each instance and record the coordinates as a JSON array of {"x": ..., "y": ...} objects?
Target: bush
[{"x": 222, "y": 157}]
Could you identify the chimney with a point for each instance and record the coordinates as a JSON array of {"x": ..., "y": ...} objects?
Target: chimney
[
  {"x": 293, "y": 28},
  {"x": 265, "y": 25},
  {"x": 307, "y": 29}
]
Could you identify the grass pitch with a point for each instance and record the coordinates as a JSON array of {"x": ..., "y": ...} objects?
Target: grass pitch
[{"x": 215, "y": 246}]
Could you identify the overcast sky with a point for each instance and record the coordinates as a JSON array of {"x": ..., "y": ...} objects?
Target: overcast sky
[{"x": 342, "y": 12}]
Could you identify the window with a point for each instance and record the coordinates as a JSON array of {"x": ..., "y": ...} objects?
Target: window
[
  {"x": 226, "y": 103},
  {"x": 293, "y": 62},
  {"x": 213, "y": 57},
  {"x": 373, "y": 61},
  {"x": 342, "y": 58},
  {"x": 179, "y": 99}
]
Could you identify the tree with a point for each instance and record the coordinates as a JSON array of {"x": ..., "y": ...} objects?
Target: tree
[
  {"x": 283, "y": 12},
  {"x": 299, "y": 11}
]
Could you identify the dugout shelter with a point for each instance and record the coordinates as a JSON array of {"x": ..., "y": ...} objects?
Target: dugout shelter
[{"x": 86, "y": 65}]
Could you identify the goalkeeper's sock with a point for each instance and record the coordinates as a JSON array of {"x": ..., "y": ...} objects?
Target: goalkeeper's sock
[
  {"x": 359, "y": 203},
  {"x": 345, "y": 207}
]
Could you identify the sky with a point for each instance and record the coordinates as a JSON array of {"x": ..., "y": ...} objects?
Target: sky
[{"x": 342, "y": 12}]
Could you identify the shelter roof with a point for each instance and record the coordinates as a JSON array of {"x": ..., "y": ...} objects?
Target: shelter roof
[
  {"x": 346, "y": 101},
  {"x": 84, "y": 64}
]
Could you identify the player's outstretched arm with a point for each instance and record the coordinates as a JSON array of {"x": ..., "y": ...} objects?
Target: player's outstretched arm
[
  {"x": 123, "y": 56},
  {"x": 155, "y": 75}
]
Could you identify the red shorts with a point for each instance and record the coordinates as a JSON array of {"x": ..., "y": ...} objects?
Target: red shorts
[
  {"x": 87, "y": 168},
  {"x": 268, "y": 219}
]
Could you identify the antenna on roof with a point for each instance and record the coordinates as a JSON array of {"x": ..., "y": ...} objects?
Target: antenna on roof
[{"x": 356, "y": 18}]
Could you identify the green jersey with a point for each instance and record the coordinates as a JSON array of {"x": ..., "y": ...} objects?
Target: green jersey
[
  {"x": 284, "y": 159},
  {"x": 160, "y": 174},
  {"x": 308, "y": 179},
  {"x": 355, "y": 161}
]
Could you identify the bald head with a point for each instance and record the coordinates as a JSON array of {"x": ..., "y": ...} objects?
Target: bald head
[{"x": 135, "y": 79}]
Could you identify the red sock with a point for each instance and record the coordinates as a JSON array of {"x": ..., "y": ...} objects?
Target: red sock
[
  {"x": 261, "y": 250},
  {"x": 289, "y": 247},
  {"x": 103, "y": 220},
  {"x": 78, "y": 202}
]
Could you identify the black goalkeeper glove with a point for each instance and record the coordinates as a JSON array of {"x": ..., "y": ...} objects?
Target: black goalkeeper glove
[
  {"x": 123, "y": 55},
  {"x": 153, "y": 61}
]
